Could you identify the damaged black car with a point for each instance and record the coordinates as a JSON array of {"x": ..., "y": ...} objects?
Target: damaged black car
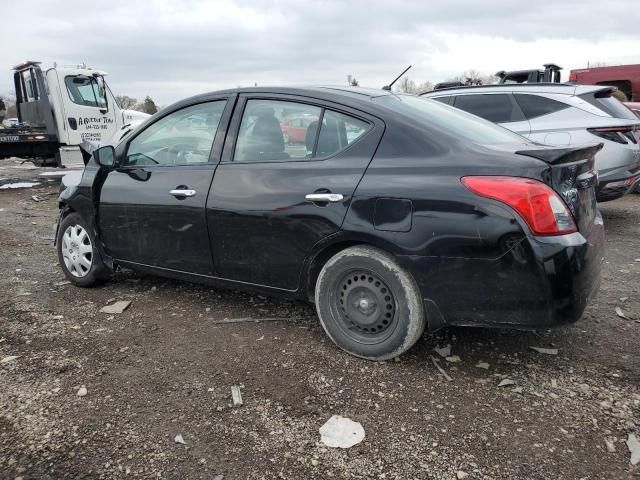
[{"x": 391, "y": 213}]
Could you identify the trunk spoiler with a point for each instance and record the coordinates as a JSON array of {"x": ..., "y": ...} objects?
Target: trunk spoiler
[{"x": 558, "y": 156}]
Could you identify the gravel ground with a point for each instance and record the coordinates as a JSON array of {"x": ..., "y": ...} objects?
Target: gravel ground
[{"x": 166, "y": 367}]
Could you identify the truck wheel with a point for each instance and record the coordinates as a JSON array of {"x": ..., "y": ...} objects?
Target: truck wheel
[
  {"x": 368, "y": 305},
  {"x": 77, "y": 253}
]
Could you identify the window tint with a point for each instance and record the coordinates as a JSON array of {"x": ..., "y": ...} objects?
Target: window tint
[
  {"x": 495, "y": 108},
  {"x": 85, "y": 91},
  {"x": 273, "y": 130},
  {"x": 337, "y": 132},
  {"x": 533, "y": 106},
  {"x": 184, "y": 137},
  {"x": 458, "y": 122}
]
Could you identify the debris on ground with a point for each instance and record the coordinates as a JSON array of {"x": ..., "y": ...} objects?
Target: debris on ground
[
  {"x": 620, "y": 313},
  {"x": 440, "y": 369},
  {"x": 634, "y": 448},
  {"x": 236, "y": 395},
  {"x": 62, "y": 283},
  {"x": 483, "y": 365},
  {"x": 461, "y": 475},
  {"x": 444, "y": 352},
  {"x": 10, "y": 358},
  {"x": 506, "y": 382},
  {"x": 545, "y": 351},
  {"x": 611, "y": 448},
  {"x": 178, "y": 439},
  {"x": 82, "y": 391},
  {"x": 250, "y": 320},
  {"x": 117, "y": 307},
  {"x": 453, "y": 359},
  {"x": 341, "y": 432}
]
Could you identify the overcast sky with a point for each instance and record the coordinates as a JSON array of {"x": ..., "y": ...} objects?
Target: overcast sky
[{"x": 174, "y": 49}]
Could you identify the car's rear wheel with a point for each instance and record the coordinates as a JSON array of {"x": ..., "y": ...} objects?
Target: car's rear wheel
[
  {"x": 368, "y": 305},
  {"x": 77, "y": 253}
]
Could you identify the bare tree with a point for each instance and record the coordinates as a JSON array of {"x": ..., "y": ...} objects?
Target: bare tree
[
  {"x": 352, "y": 81},
  {"x": 424, "y": 87},
  {"x": 406, "y": 85},
  {"x": 126, "y": 102}
]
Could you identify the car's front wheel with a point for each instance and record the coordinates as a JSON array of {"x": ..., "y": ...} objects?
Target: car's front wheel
[
  {"x": 368, "y": 305},
  {"x": 77, "y": 253}
]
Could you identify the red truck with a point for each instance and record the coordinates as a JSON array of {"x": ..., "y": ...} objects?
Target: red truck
[{"x": 625, "y": 77}]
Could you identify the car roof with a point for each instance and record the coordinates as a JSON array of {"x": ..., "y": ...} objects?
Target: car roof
[{"x": 561, "y": 88}]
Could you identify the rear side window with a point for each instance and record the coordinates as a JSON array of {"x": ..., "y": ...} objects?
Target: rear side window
[
  {"x": 534, "y": 106},
  {"x": 441, "y": 99},
  {"x": 612, "y": 106},
  {"x": 337, "y": 132},
  {"x": 496, "y": 108},
  {"x": 275, "y": 131}
]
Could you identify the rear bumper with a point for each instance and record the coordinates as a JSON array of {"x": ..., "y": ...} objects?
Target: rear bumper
[
  {"x": 617, "y": 181},
  {"x": 540, "y": 283}
]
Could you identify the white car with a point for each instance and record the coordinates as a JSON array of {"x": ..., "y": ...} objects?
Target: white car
[
  {"x": 562, "y": 114},
  {"x": 11, "y": 122}
]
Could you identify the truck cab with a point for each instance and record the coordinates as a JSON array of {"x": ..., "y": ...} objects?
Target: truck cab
[{"x": 59, "y": 109}]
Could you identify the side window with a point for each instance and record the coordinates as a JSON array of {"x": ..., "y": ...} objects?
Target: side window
[
  {"x": 535, "y": 106},
  {"x": 337, "y": 132},
  {"x": 274, "y": 130},
  {"x": 85, "y": 91},
  {"x": 184, "y": 137},
  {"x": 445, "y": 100},
  {"x": 496, "y": 108}
]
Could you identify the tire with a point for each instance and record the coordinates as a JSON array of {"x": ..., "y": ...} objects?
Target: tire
[
  {"x": 368, "y": 305},
  {"x": 77, "y": 253}
]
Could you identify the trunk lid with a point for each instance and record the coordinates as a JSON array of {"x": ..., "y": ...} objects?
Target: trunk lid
[{"x": 573, "y": 176}]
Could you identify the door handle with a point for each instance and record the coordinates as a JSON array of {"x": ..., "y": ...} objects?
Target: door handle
[
  {"x": 324, "y": 197},
  {"x": 178, "y": 192}
]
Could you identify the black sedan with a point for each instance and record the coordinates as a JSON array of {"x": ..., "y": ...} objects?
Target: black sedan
[{"x": 390, "y": 212}]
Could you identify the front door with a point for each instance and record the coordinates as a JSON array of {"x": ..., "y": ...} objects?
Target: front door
[
  {"x": 87, "y": 114},
  {"x": 274, "y": 196},
  {"x": 152, "y": 207}
]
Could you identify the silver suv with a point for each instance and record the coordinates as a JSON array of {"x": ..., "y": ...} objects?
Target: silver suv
[{"x": 562, "y": 114}]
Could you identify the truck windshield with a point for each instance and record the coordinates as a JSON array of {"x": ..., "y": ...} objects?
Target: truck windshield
[
  {"x": 458, "y": 122},
  {"x": 85, "y": 91}
]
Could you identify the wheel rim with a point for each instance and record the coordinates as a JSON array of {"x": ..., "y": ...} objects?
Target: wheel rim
[
  {"x": 365, "y": 306},
  {"x": 77, "y": 251}
]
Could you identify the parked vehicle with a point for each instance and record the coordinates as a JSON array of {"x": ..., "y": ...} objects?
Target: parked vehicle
[
  {"x": 10, "y": 122},
  {"x": 58, "y": 110},
  {"x": 295, "y": 127},
  {"x": 634, "y": 107},
  {"x": 562, "y": 115},
  {"x": 423, "y": 215},
  {"x": 550, "y": 74},
  {"x": 625, "y": 77}
]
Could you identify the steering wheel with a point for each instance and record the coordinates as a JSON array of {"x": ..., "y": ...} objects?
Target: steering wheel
[{"x": 179, "y": 150}]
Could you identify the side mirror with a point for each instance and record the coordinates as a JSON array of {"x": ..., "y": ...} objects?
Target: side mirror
[{"x": 105, "y": 156}]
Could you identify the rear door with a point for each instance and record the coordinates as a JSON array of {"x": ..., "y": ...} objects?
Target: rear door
[
  {"x": 272, "y": 201},
  {"x": 152, "y": 207},
  {"x": 499, "y": 108}
]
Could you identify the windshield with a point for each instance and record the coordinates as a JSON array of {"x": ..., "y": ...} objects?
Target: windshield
[{"x": 458, "y": 122}]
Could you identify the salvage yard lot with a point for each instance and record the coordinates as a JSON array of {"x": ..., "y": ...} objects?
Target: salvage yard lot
[{"x": 166, "y": 365}]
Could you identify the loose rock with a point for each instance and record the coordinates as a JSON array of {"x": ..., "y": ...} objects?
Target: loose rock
[
  {"x": 341, "y": 432},
  {"x": 82, "y": 391},
  {"x": 545, "y": 351}
]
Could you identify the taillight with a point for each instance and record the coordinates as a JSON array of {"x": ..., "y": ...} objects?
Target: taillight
[
  {"x": 629, "y": 134},
  {"x": 538, "y": 204}
]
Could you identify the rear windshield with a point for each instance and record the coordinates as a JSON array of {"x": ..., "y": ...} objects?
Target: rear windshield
[
  {"x": 608, "y": 104},
  {"x": 458, "y": 122}
]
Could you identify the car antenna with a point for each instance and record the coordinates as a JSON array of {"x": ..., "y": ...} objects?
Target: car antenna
[{"x": 388, "y": 87}]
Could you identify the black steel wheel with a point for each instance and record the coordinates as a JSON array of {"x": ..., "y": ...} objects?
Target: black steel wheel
[{"x": 368, "y": 305}]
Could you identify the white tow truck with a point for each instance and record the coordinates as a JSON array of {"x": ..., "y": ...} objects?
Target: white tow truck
[{"x": 59, "y": 109}]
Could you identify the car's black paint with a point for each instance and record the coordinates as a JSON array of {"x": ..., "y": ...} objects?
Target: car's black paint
[{"x": 474, "y": 259}]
